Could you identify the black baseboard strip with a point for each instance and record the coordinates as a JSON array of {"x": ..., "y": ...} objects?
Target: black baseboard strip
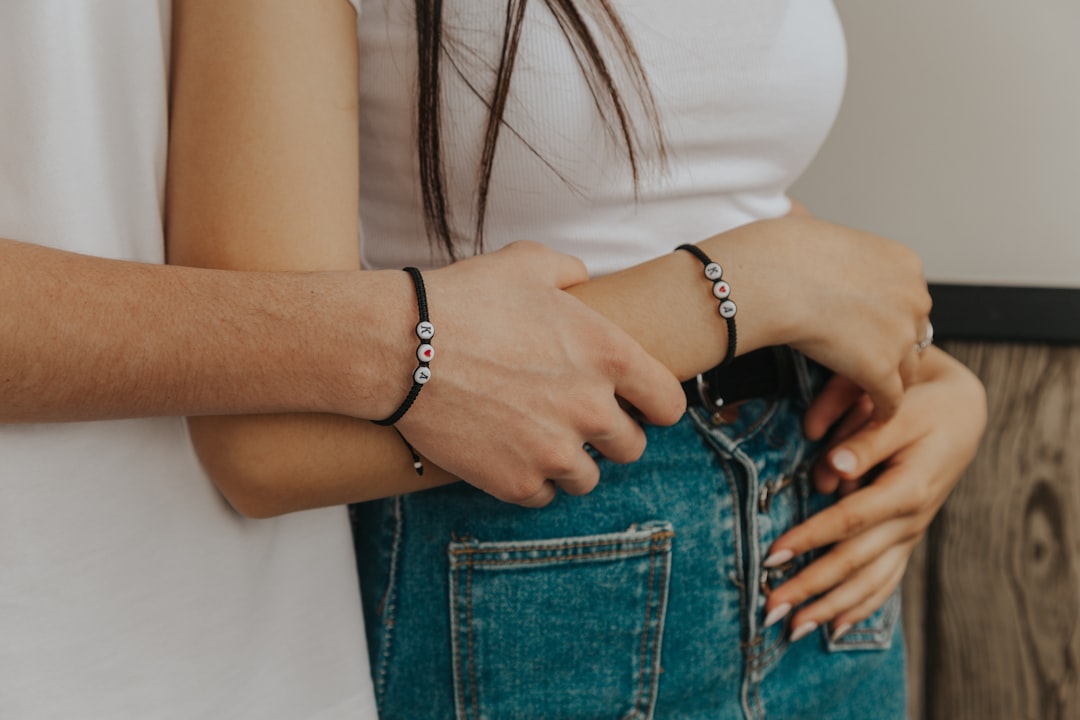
[{"x": 1007, "y": 314}]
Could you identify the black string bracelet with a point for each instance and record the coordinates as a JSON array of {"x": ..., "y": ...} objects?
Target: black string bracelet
[
  {"x": 721, "y": 291},
  {"x": 425, "y": 331}
]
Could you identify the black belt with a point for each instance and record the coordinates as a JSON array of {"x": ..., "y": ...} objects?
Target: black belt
[{"x": 767, "y": 372}]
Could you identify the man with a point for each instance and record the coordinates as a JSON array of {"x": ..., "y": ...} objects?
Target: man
[{"x": 129, "y": 588}]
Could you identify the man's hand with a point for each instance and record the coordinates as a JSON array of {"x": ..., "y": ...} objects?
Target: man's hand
[{"x": 525, "y": 374}]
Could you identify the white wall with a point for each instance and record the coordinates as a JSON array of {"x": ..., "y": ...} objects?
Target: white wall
[{"x": 960, "y": 135}]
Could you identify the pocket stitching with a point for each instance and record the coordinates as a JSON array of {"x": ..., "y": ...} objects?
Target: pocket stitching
[
  {"x": 649, "y": 669},
  {"x": 876, "y": 637},
  {"x": 560, "y": 560},
  {"x": 476, "y": 548},
  {"x": 652, "y": 539},
  {"x": 460, "y": 697}
]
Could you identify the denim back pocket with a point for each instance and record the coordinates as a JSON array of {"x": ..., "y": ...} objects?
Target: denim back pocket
[
  {"x": 874, "y": 633},
  {"x": 563, "y": 628}
]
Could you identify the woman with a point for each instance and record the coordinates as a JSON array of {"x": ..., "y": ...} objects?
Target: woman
[{"x": 616, "y": 133}]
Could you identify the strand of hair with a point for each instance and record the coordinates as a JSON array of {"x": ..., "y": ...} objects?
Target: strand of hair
[
  {"x": 515, "y": 16},
  {"x": 566, "y": 12},
  {"x": 429, "y": 118},
  {"x": 526, "y": 143}
]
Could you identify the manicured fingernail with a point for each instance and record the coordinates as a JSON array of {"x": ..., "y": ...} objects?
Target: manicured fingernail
[
  {"x": 839, "y": 632},
  {"x": 802, "y": 631},
  {"x": 778, "y": 613},
  {"x": 778, "y": 558},
  {"x": 844, "y": 461}
]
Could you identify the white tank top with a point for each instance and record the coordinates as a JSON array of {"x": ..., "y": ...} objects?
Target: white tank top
[
  {"x": 747, "y": 91},
  {"x": 128, "y": 588}
]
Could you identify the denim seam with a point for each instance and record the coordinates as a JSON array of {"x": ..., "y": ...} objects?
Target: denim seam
[
  {"x": 773, "y": 653},
  {"x": 465, "y": 698},
  {"x": 749, "y": 509},
  {"x": 471, "y": 652},
  {"x": 651, "y": 639},
  {"x": 388, "y": 602},
  {"x": 745, "y": 552},
  {"x": 455, "y": 643},
  {"x": 535, "y": 546},
  {"x": 562, "y": 560},
  {"x": 751, "y": 695},
  {"x": 747, "y": 502},
  {"x": 724, "y": 448},
  {"x": 658, "y": 636},
  {"x": 759, "y": 706},
  {"x": 642, "y": 671},
  {"x": 756, "y": 660},
  {"x": 727, "y": 470},
  {"x": 457, "y": 673}
]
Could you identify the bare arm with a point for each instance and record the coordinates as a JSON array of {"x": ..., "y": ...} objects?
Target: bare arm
[
  {"x": 230, "y": 197},
  {"x": 249, "y": 203},
  {"x": 86, "y": 338},
  {"x": 263, "y": 176},
  {"x": 269, "y": 465},
  {"x": 853, "y": 301}
]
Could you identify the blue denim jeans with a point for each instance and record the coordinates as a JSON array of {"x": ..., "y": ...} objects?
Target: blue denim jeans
[{"x": 643, "y": 599}]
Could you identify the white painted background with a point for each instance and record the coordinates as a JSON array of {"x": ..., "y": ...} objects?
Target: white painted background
[{"x": 960, "y": 136}]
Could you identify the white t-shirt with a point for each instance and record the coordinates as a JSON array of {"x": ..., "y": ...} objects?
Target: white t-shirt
[
  {"x": 128, "y": 588},
  {"x": 746, "y": 89}
]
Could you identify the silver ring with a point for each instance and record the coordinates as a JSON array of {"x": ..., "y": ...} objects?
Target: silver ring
[{"x": 927, "y": 338}]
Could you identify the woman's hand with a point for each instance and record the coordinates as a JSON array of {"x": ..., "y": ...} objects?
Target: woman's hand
[
  {"x": 914, "y": 460},
  {"x": 855, "y": 302}
]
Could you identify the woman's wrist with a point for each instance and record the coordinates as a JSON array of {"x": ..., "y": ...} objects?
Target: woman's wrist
[
  {"x": 756, "y": 257},
  {"x": 685, "y": 331}
]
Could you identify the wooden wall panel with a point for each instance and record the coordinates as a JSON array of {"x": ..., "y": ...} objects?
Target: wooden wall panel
[
  {"x": 915, "y": 618},
  {"x": 1000, "y": 587}
]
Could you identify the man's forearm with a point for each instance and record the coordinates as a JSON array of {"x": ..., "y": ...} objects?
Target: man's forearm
[{"x": 84, "y": 338}]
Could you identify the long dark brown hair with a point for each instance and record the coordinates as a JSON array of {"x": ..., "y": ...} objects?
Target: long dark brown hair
[{"x": 431, "y": 46}]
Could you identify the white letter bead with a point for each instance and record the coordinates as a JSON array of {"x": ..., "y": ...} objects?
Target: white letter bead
[
  {"x": 425, "y": 353},
  {"x": 425, "y": 331},
  {"x": 421, "y": 375},
  {"x": 721, "y": 290},
  {"x": 727, "y": 309},
  {"x": 713, "y": 271}
]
